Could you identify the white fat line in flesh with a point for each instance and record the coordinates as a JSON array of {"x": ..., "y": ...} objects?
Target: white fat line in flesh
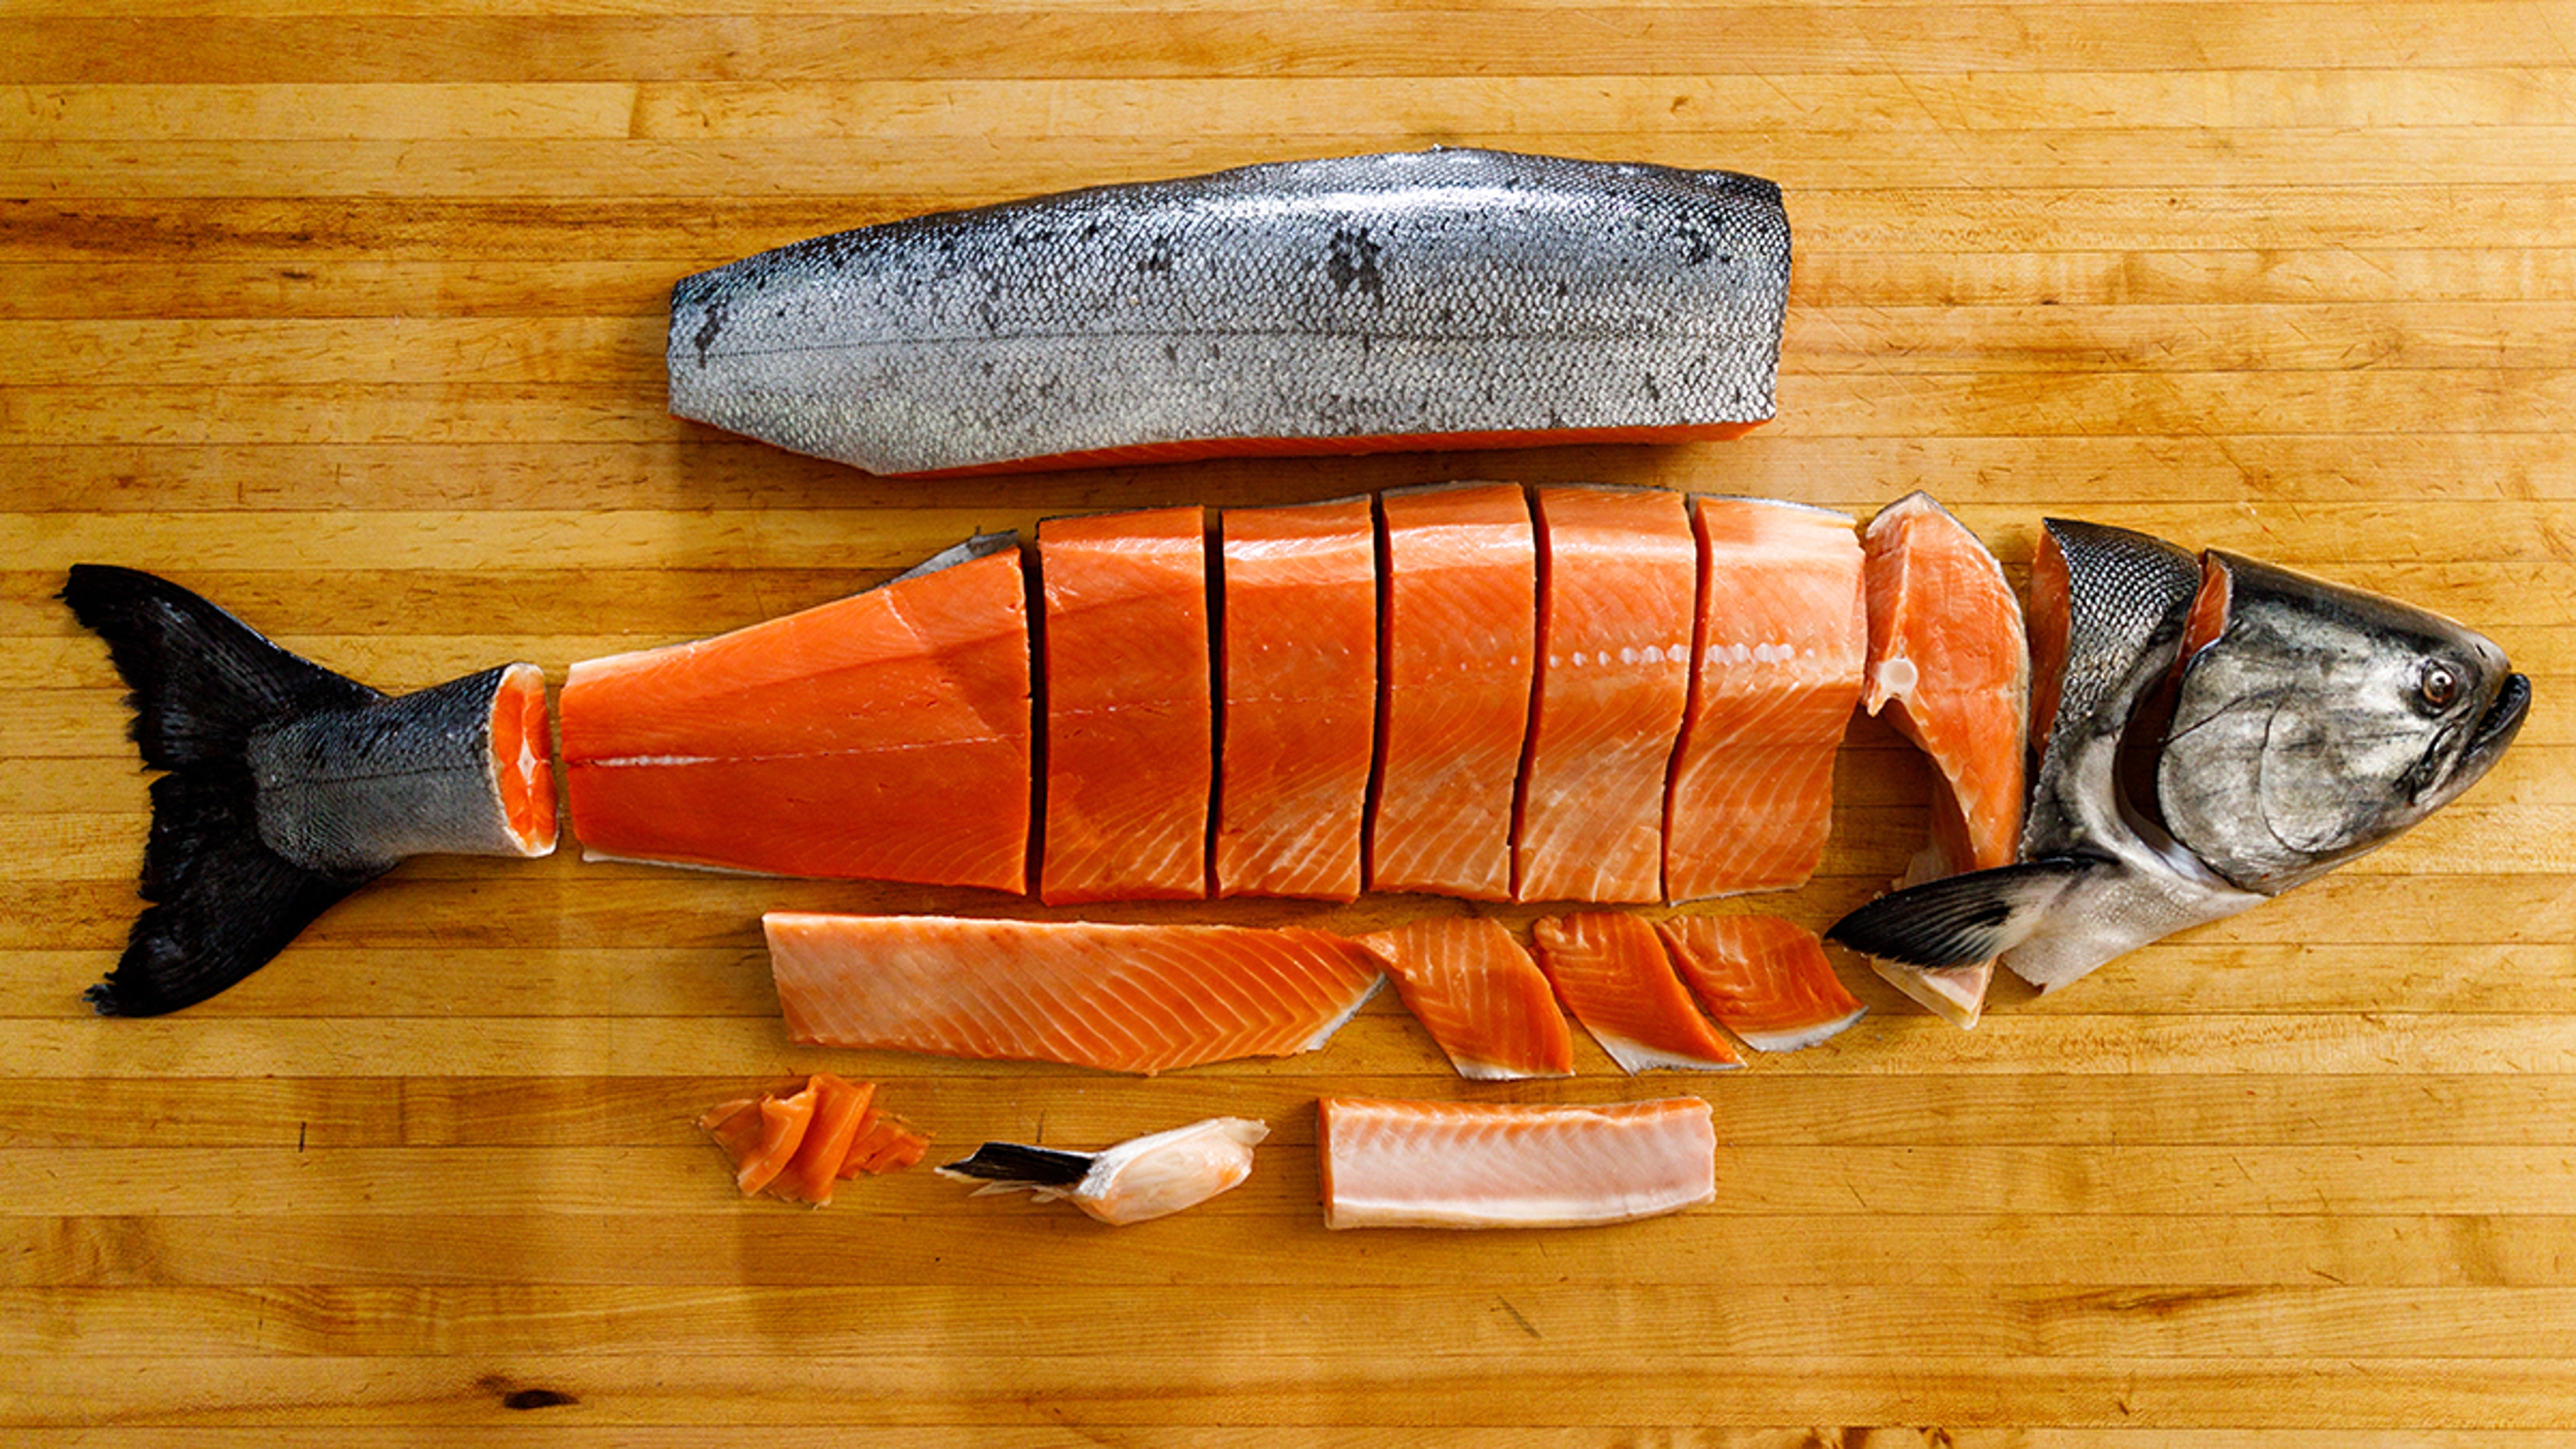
[
  {"x": 649, "y": 761},
  {"x": 590, "y": 856},
  {"x": 1326, "y": 1034}
]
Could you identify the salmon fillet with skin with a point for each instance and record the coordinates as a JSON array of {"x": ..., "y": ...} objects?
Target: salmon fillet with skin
[
  {"x": 1120, "y": 998},
  {"x": 1775, "y": 670},
  {"x": 1130, "y": 743},
  {"x": 1503, "y": 1165},
  {"x": 1298, "y": 655},
  {"x": 1457, "y": 635},
  {"x": 885, "y": 736},
  {"x": 1949, "y": 649},
  {"x": 1479, "y": 995},
  {"x": 1618, "y": 584},
  {"x": 1611, "y": 972},
  {"x": 1764, "y": 978}
]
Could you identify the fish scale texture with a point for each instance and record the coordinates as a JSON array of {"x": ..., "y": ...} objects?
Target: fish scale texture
[
  {"x": 1121, "y": 998},
  {"x": 1504, "y": 1165},
  {"x": 1395, "y": 297}
]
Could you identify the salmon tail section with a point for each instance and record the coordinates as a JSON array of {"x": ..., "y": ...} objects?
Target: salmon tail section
[{"x": 290, "y": 786}]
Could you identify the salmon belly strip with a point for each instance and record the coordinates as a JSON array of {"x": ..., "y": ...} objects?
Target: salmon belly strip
[
  {"x": 1775, "y": 672},
  {"x": 1479, "y": 995},
  {"x": 1456, "y": 645},
  {"x": 1618, "y": 583},
  {"x": 1299, "y": 659},
  {"x": 1948, "y": 648},
  {"x": 1503, "y": 1165},
  {"x": 1764, "y": 978},
  {"x": 1130, "y": 757},
  {"x": 884, "y": 736},
  {"x": 1121, "y": 998},
  {"x": 1611, "y": 971}
]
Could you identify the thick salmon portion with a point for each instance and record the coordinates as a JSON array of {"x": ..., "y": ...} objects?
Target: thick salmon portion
[
  {"x": 1130, "y": 743},
  {"x": 885, "y": 736},
  {"x": 1611, "y": 971},
  {"x": 1504, "y": 1165},
  {"x": 1775, "y": 671},
  {"x": 1458, "y": 632},
  {"x": 1948, "y": 648},
  {"x": 1765, "y": 979},
  {"x": 1122, "y": 998},
  {"x": 1479, "y": 995},
  {"x": 1618, "y": 584},
  {"x": 1298, "y": 656}
]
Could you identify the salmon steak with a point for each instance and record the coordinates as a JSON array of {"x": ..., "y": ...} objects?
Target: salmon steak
[{"x": 1455, "y": 298}]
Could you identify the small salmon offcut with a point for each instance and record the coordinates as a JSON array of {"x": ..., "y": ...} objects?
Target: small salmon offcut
[
  {"x": 1121, "y": 998},
  {"x": 883, "y": 736},
  {"x": 1611, "y": 971},
  {"x": 800, "y": 1146},
  {"x": 1130, "y": 742},
  {"x": 1618, "y": 580},
  {"x": 1479, "y": 995},
  {"x": 1775, "y": 671},
  {"x": 1948, "y": 648},
  {"x": 1504, "y": 1165},
  {"x": 1458, "y": 635},
  {"x": 1298, "y": 654},
  {"x": 1765, "y": 979}
]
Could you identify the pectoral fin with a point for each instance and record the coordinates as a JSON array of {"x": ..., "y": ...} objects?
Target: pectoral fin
[{"x": 1962, "y": 919}]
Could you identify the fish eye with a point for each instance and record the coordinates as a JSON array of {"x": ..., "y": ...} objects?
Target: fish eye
[{"x": 2439, "y": 684}]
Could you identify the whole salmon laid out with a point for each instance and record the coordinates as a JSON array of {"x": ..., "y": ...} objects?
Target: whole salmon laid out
[
  {"x": 1437, "y": 298},
  {"x": 893, "y": 735}
]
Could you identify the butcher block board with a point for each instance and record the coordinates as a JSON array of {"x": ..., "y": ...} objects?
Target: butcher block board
[{"x": 355, "y": 325}]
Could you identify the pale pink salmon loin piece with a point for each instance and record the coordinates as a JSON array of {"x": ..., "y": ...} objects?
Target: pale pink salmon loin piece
[
  {"x": 1130, "y": 744},
  {"x": 1121, "y": 998},
  {"x": 1765, "y": 979},
  {"x": 1775, "y": 671},
  {"x": 1458, "y": 634},
  {"x": 1611, "y": 972},
  {"x": 1948, "y": 647},
  {"x": 1479, "y": 995},
  {"x": 884, "y": 736},
  {"x": 1298, "y": 655},
  {"x": 1504, "y": 1165},
  {"x": 1618, "y": 583}
]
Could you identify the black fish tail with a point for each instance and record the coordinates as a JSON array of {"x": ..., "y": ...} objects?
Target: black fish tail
[
  {"x": 1960, "y": 920},
  {"x": 1011, "y": 1164},
  {"x": 289, "y": 786}
]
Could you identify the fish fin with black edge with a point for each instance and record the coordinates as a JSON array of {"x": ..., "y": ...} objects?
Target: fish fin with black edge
[
  {"x": 1011, "y": 1164},
  {"x": 222, "y": 902},
  {"x": 1960, "y": 920}
]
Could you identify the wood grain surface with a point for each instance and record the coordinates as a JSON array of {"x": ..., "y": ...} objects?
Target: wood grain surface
[{"x": 354, "y": 323}]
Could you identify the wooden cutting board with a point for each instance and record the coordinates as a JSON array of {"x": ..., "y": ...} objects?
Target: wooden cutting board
[{"x": 356, "y": 325}]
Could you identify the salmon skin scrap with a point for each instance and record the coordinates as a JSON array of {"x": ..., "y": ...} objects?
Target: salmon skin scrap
[
  {"x": 1611, "y": 972},
  {"x": 1775, "y": 671},
  {"x": 885, "y": 736},
  {"x": 1298, "y": 654},
  {"x": 1618, "y": 580},
  {"x": 1446, "y": 297},
  {"x": 288, "y": 786},
  {"x": 1121, "y": 998},
  {"x": 1458, "y": 632},
  {"x": 1505, "y": 1165},
  {"x": 1764, "y": 978},
  {"x": 1131, "y": 729},
  {"x": 1479, "y": 995},
  {"x": 1948, "y": 648}
]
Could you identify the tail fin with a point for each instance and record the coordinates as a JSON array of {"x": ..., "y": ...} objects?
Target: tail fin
[
  {"x": 291, "y": 786},
  {"x": 203, "y": 682}
]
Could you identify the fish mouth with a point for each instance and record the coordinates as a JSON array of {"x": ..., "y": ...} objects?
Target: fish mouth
[{"x": 2496, "y": 728}]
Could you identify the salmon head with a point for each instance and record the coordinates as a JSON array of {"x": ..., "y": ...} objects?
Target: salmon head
[
  {"x": 2213, "y": 731},
  {"x": 2317, "y": 721}
]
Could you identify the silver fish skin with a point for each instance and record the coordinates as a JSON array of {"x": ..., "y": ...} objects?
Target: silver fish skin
[
  {"x": 1344, "y": 304},
  {"x": 2225, "y": 730}
]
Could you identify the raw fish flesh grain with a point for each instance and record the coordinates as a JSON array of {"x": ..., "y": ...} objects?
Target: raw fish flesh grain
[
  {"x": 1765, "y": 979},
  {"x": 1611, "y": 971},
  {"x": 1501, "y": 1165},
  {"x": 1121, "y": 998},
  {"x": 1479, "y": 995}
]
